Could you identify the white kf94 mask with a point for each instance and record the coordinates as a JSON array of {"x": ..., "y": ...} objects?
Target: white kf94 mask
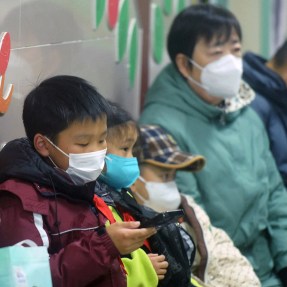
[
  {"x": 163, "y": 196},
  {"x": 84, "y": 167},
  {"x": 222, "y": 77}
]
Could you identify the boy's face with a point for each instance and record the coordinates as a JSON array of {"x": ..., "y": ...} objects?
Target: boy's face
[
  {"x": 79, "y": 137},
  {"x": 207, "y": 52},
  {"x": 123, "y": 146},
  {"x": 152, "y": 173}
]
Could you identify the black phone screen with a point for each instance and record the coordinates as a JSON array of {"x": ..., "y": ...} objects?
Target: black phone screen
[{"x": 162, "y": 218}]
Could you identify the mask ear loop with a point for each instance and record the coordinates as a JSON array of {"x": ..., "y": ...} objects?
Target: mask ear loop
[
  {"x": 52, "y": 162},
  {"x": 194, "y": 81},
  {"x": 195, "y": 64},
  {"x": 58, "y": 150},
  {"x": 140, "y": 197},
  {"x": 137, "y": 193},
  {"x": 56, "y": 147},
  {"x": 142, "y": 179},
  {"x": 108, "y": 158},
  {"x": 105, "y": 165}
]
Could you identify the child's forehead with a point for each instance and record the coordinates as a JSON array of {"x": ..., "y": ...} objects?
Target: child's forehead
[
  {"x": 99, "y": 121},
  {"x": 84, "y": 128},
  {"x": 123, "y": 132}
]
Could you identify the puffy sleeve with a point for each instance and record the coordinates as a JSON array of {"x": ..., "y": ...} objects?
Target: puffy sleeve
[
  {"x": 86, "y": 259},
  {"x": 277, "y": 218}
]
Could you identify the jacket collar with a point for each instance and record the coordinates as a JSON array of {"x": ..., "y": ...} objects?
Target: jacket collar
[
  {"x": 31, "y": 200},
  {"x": 245, "y": 96},
  {"x": 19, "y": 160},
  {"x": 171, "y": 89}
]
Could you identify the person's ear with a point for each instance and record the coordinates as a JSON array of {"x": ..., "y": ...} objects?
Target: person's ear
[
  {"x": 40, "y": 145},
  {"x": 182, "y": 65}
]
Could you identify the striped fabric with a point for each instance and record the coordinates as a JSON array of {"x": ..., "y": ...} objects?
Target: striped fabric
[{"x": 160, "y": 147}]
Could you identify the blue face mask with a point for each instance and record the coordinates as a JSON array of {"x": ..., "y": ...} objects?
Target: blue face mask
[{"x": 120, "y": 172}]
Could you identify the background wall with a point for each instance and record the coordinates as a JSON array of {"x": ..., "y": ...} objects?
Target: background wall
[
  {"x": 87, "y": 38},
  {"x": 263, "y": 23},
  {"x": 118, "y": 45}
]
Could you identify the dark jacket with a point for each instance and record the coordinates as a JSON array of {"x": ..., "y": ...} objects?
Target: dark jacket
[
  {"x": 37, "y": 202},
  {"x": 167, "y": 241},
  {"x": 270, "y": 104}
]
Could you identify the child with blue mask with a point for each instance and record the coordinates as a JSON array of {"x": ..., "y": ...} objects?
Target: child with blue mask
[
  {"x": 121, "y": 169},
  {"x": 120, "y": 173}
]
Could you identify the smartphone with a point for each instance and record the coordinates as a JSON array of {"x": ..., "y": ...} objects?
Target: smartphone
[{"x": 162, "y": 218}]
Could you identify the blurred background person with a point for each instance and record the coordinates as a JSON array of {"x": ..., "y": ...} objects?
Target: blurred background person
[{"x": 268, "y": 78}]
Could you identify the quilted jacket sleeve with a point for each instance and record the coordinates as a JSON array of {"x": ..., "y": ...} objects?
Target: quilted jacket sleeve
[
  {"x": 277, "y": 215},
  {"x": 90, "y": 259}
]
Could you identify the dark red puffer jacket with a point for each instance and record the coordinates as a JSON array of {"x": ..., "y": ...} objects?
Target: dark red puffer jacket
[{"x": 32, "y": 207}]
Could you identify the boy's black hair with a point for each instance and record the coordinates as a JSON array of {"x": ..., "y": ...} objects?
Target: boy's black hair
[
  {"x": 59, "y": 101},
  {"x": 199, "y": 21},
  {"x": 280, "y": 57},
  {"x": 117, "y": 115}
]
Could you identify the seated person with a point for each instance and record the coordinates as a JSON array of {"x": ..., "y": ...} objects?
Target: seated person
[
  {"x": 268, "y": 78},
  {"x": 47, "y": 186},
  {"x": 200, "y": 99},
  {"x": 218, "y": 262},
  {"x": 121, "y": 172}
]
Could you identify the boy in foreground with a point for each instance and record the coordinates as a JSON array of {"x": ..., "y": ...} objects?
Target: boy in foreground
[{"x": 47, "y": 186}]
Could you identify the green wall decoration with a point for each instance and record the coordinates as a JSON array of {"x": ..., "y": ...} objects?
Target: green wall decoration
[
  {"x": 265, "y": 27},
  {"x": 180, "y": 5},
  {"x": 157, "y": 32},
  {"x": 99, "y": 6},
  {"x": 223, "y": 3},
  {"x": 133, "y": 51},
  {"x": 122, "y": 30},
  {"x": 167, "y": 6}
]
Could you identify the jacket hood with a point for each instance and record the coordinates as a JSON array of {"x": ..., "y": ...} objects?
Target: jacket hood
[
  {"x": 19, "y": 160},
  {"x": 171, "y": 89},
  {"x": 263, "y": 80}
]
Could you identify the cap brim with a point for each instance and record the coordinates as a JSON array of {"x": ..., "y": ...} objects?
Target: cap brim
[{"x": 192, "y": 163}]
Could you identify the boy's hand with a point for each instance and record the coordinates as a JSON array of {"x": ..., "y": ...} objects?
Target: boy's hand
[
  {"x": 159, "y": 264},
  {"x": 127, "y": 237}
]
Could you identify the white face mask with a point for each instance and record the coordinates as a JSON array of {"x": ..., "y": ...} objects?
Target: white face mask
[
  {"x": 222, "y": 77},
  {"x": 84, "y": 167},
  {"x": 163, "y": 196}
]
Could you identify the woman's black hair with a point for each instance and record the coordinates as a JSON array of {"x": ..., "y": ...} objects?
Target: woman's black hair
[{"x": 199, "y": 21}]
